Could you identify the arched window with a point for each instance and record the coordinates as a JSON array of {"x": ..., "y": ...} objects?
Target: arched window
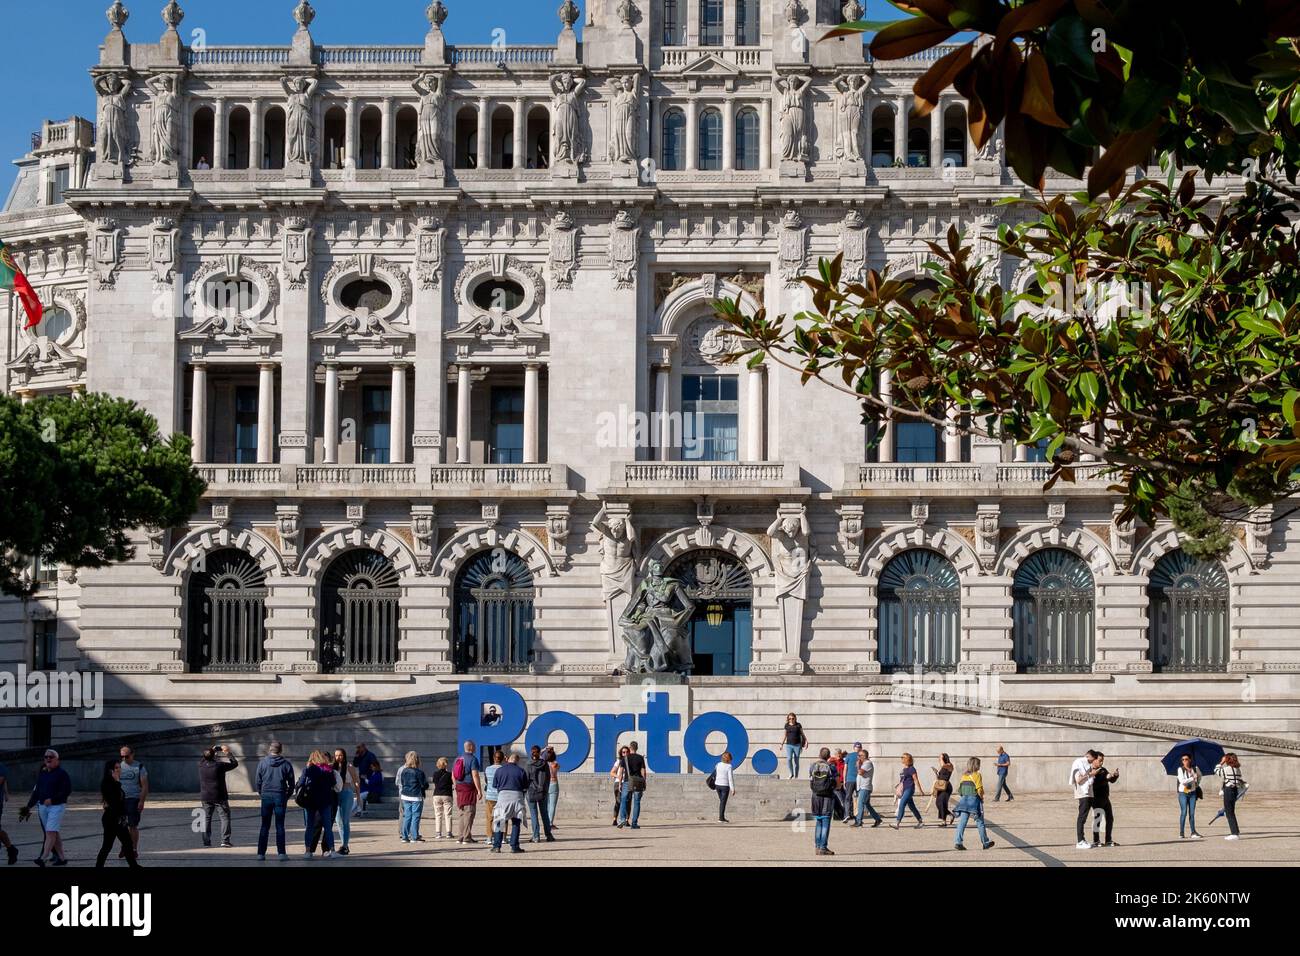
[
  {"x": 226, "y": 622},
  {"x": 1052, "y": 613},
  {"x": 1188, "y": 629},
  {"x": 273, "y": 139},
  {"x": 334, "y": 142},
  {"x": 722, "y": 627},
  {"x": 370, "y": 138},
  {"x": 406, "y": 134},
  {"x": 360, "y": 597},
  {"x": 202, "y": 132},
  {"x": 747, "y": 140},
  {"x": 674, "y": 157},
  {"x": 919, "y": 612},
  {"x": 503, "y": 138},
  {"x": 710, "y": 158},
  {"x": 954, "y": 136},
  {"x": 538, "y": 138},
  {"x": 918, "y": 140},
  {"x": 238, "y": 128},
  {"x": 882, "y": 137},
  {"x": 467, "y": 138},
  {"x": 494, "y": 614}
]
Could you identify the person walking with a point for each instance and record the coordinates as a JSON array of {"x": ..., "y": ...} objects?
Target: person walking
[
  {"x": 214, "y": 797},
  {"x": 539, "y": 782},
  {"x": 1081, "y": 779},
  {"x": 113, "y": 819},
  {"x": 50, "y": 797},
  {"x": 511, "y": 783},
  {"x": 618, "y": 773},
  {"x": 943, "y": 789},
  {"x": 273, "y": 782},
  {"x": 443, "y": 802},
  {"x": 795, "y": 743},
  {"x": 321, "y": 785},
  {"x": 823, "y": 782},
  {"x": 866, "y": 783},
  {"x": 634, "y": 784},
  {"x": 851, "y": 780},
  {"x": 840, "y": 761},
  {"x": 1003, "y": 765},
  {"x": 724, "y": 783},
  {"x": 468, "y": 776},
  {"x": 490, "y": 792},
  {"x": 1189, "y": 791},
  {"x": 970, "y": 803},
  {"x": 905, "y": 790},
  {"x": 1101, "y": 810},
  {"x": 1234, "y": 786},
  {"x": 10, "y": 849},
  {"x": 349, "y": 796},
  {"x": 412, "y": 785},
  {"x": 553, "y": 789},
  {"x": 135, "y": 784}
]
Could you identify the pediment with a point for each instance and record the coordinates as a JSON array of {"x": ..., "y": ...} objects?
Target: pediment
[
  {"x": 44, "y": 354},
  {"x": 710, "y": 65}
]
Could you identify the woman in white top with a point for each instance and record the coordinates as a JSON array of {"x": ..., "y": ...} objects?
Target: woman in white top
[
  {"x": 619, "y": 773},
  {"x": 724, "y": 783},
  {"x": 1189, "y": 782},
  {"x": 1234, "y": 787}
]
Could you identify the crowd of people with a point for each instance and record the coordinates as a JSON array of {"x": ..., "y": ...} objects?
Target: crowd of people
[{"x": 521, "y": 792}]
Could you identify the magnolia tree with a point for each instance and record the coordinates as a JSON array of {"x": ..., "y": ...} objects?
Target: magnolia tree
[{"x": 1159, "y": 329}]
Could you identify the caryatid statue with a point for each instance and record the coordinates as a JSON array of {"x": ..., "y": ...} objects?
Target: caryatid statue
[
  {"x": 623, "y": 127},
  {"x": 113, "y": 90},
  {"x": 850, "y": 106},
  {"x": 166, "y": 117},
  {"x": 792, "y": 558},
  {"x": 655, "y": 626},
  {"x": 794, "y": 124},
  {"x": 428, "y": 146},
  {"x": 567, "y": 111},
  {"x": 300, "y": 131},
  {"x": 617, "y": 566}
]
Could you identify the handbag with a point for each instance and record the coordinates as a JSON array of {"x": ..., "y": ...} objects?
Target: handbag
[
  {"x": 711, "y": 781},
  {"x": 634, "y": 784},
  {"x": 302, "y": 796},
  {"x": 1200, "y": 795}
]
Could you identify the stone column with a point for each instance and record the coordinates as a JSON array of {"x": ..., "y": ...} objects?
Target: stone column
[
  {"x": 349, "y": 134},
  {"x": 885, "y": 452},
  {"x": 484, "y": 133},
  {"x": 265, "y": 413},
  {"x": 1090, "y": 433},
  {"x": 255, "y": 134},
  {"x": 464, "y": 395},
  {"x": 1022, "y": 453},
  {"x": 397, "y": 421},
  {"x": 936, "y": 135},
  {"x": 729, "y": 134},
  {"x": 199, "y": 415},
  {"x": 900, "y": 128},
  {"x": 386, "y": 135},
  {"x": 518, "y": 146},
  {"x": 692, "y": 135},
  {"x": 219, "y": 134},
  {"x": 951, "y": 437},
  {"x": 692, "y": 30},
  {"x": 331, "y": 414},
  {"x": 754, "y": 418},
  {"x": 25, "y": 395},
  {"x": 664, "y": 408},
  {"x": 765, "y": 134},
  {"x": 532, "y": 413}
]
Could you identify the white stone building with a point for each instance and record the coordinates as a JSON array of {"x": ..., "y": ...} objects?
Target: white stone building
[{"x": 428, "y": 310}]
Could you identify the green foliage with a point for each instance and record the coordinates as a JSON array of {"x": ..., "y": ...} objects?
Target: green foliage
[
  {"x": 1160, "y": 333},
  {"x": 77, "y": 474},
  {"x": 1213, "y": 83}
]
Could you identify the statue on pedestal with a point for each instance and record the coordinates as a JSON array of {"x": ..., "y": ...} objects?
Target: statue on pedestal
[
  {"x": 300, "y": 131},
  {"x": 428, "y": 147},
  {"x": 567, "y": 111},
  {"x": 113, "y": 90},
  {"x": 166, "y": 118},
  {"x": 655, "y": 626},
  {"x": 792, "y": 556},
  {"x": 617, "y": 567}
]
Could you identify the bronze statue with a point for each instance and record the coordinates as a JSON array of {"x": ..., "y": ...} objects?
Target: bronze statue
[{"x": 655, "y": 626}]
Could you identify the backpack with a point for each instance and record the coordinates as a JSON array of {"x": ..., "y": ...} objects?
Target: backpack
[
  {"x": 823, "y": 779},
  {"x": 303, "y": 795},
  {"x": 458, "y": 770}
]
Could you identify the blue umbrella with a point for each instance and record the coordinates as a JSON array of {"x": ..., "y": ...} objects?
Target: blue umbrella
[{"x": 1206, "y": 755}]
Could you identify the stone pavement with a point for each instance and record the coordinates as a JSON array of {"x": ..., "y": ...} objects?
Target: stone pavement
[{"x": 1034, "y": 830}]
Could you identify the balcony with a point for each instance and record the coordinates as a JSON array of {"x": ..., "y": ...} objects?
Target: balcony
[
  {"x": 383, "y": 481},
  {"x": 741, "y": 57},
  {"x": 692, "y": 478},
  {"x": 965, "y": 479},
  {"x": 491, "y": 55}
]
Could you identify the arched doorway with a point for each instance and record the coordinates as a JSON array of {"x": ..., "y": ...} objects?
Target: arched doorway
[
  {"x": 226, "y": 600},
  {"x": 919, "y": 613},
  {"x": 1052, "y": 613},
  {"x": 360, "y": 598},
  {"x": 494, "y": 614},
  {"x": 722, "y": 628},
  {"x": 1188, "y": 629}
]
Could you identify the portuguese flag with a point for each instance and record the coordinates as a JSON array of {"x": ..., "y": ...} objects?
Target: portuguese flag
[{"x": 12, "y": 280}]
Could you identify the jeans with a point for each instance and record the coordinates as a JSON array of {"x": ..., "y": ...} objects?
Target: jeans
[
  {"x": 1230, "y": 808},
  {"x": 963, "y": 817},
  {"x": 499, "y": 835},
  {"x": 552, "y": 800},
  {"x": 1085, "y": 808},
  {"x": 792, "y": 759},
  {"x": 538, "y": 808},
  {"x": 864, "y": 806},
  {"x": 272, "y": 805},
  {"x": 343, "y": 818},
  {"x": 634, "y": 796},
  {"x": 412, "y": 810},
  {"x": 1101, "y": 810},
  {"x": 1187, "y": 811},
  {"x": 907, "y": 802},
  {"x": 321, "y": 827},
  {"x": 114, "y": 832},
  {"x": 221, "y": 810},
  {"x": 850, "y": 788},
  {"x": 822, "y": 832},
  {"x": 723, "y": 794},
  {"x": 1002, "y": 785}
]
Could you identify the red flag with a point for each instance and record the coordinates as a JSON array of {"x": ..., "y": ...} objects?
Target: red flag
[{"x": 13, "y": 280}]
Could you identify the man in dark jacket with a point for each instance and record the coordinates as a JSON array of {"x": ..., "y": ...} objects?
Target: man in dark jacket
[
  {"x": 50, "y": 797},
  {"x": 274, "y": 783},
  {"x": 539, "y": 785},
  {"x": 213, "y": 795},
  {"x": 511, "y": 783}
]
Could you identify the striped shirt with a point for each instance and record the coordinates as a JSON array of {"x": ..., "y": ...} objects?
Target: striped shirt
[{"x": 1231, "y": 775}]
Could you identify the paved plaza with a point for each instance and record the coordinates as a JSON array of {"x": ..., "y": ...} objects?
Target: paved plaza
[{"x": 1036, "y": 831}]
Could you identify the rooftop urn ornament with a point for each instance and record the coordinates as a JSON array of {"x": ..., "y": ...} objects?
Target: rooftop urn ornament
[
  {"x": 626, "y": 10},
  {"x": 118, "y": 15},
  {"x": 569, "y": 14},
  {"x": 852, "y": 11},
  {"x": 304, "y": 14},
  {"x": 436, "y": 14},
  {"x": 793, "y": 12},
  {"x": 172, "y": 15}
]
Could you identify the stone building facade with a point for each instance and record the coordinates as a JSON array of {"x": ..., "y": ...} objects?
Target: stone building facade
[{"x": 438, "y": 320}]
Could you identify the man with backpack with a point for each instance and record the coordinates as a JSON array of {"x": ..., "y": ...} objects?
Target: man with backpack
[
  {"x": 468, "y": 776},
  {"x": 824, "y": 784},
  {"x": 274, "y": 783}
]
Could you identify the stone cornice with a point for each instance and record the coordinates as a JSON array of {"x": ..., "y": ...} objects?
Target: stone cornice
[{"x": 148, "y": 197}]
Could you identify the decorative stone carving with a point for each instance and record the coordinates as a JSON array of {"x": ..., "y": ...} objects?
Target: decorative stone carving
[
  {"x": 852, "y": 11},
  {"x": 157, "y": 547},
  {"x": 1123, "y": 536},
  {"x": 428, "y": 146},
  {"x": 569, "y": 13},
  {"x": 793, "y": 247},
  {"x": 613, "y": 523},
  {"x": 436, "y": 14},
  {"x": 430, "y": 245},
  {"x": 627, "y": 12},
  {"x": 356, "y": 513},
  {"x": 1055, "y": 513},
  {"x": 304, "y": 14},
  {"x": 172, "y": 15},
  {"x": 497, "y": 323},
  {"x": 367, "y": 266},
  {"x": 792, "y": 557},
  {"x": 793, "y": 117},
  {"x": 987, "y": 534},
  {"x": 166, "y": 101},
  {"x": 564, "y": 250},
  {"x": 624, "y": 125},
  {"x": 424, "y": 526},
  {"x": 491, "y": 512},
  {"x": 794, "y": 13},
  {"x": 296, "y": 262},
  {"x": 567, "y": 111},
  {"x": 117, "y": 15},
  {"x": 106, "y": 245},
  {"x": 557, "y": 534},
  {"x": 852, "y": 533},
  {"x": 704, "y": 517},
  {"x": 920, "y": 512},
  {"x": 221, "y": 513},
  {"x": 246, "y": 323},
  {"x": 853, "y": 245},
  {"x": 709, "y": 341},
  {"x": 113, "y": 146},
  {"x": 624, "y": 249},
  {"x": 300, "y": 128},
  {"x": 164, "y": 249},
  {"x": 1259, "y": 527},
  {"x": 850, "y": 103},
  {"x": 288, "y": 525}
]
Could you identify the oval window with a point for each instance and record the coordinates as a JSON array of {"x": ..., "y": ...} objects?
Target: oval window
[
  {"x": 231, "y": 295},
  {"x": 371, "y": 294},
  {"x": 54, "y": 323},
  {"x": 498, "y": 295}
]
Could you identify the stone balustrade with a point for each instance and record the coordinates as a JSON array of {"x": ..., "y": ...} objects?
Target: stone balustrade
[
  {"x": 692, "y": 477},
  {"x": 381, "y": 480},
  {"x": 972, "y": 478}
]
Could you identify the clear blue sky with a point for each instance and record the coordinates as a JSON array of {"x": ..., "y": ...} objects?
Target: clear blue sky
[{"x": 47, "y": 47}]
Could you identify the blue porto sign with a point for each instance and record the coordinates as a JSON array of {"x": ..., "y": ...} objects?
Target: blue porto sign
[{"x": 493, "y": 715}]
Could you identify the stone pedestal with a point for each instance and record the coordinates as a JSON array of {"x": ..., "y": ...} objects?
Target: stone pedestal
[
  {"x": 853, "y": 172},
  {"x": 298, "y": 171},
  {"x": 564, "y": 169},
  {"x": 432, "y": 174},
  {"x": 624, "y": 174},
  {"x": 794, "y": 169},
  {"x": 166, "y": 174},
  {"x": 107, "y": 172}
]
